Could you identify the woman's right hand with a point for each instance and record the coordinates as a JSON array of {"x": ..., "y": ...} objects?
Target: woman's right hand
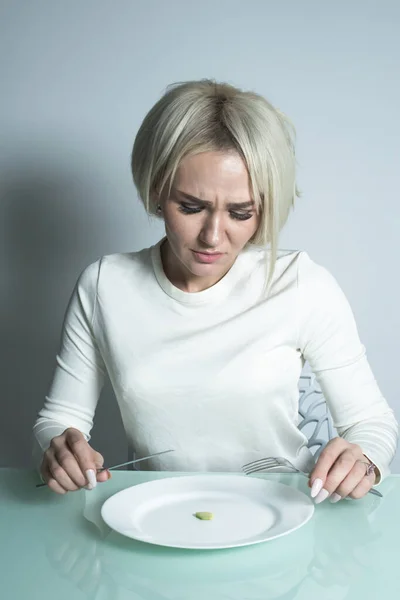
[{"x": 70, "y": 463}]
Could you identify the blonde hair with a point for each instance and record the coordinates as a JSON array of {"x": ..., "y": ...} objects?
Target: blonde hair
[{"x": 201, "y": 116}]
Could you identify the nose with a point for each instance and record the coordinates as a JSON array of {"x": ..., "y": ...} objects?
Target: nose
[{"x": 212, "y": 232}]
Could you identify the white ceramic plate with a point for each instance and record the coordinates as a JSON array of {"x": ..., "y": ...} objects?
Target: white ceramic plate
[{"x": 246, "y": 510}]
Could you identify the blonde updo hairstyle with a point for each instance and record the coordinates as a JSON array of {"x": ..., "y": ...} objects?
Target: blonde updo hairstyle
[{"x": 203, "y": 116}]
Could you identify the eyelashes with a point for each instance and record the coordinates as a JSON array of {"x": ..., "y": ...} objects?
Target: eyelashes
[
  {"x": 238, "y": 216},
  {"x": 189, "y": 210}
]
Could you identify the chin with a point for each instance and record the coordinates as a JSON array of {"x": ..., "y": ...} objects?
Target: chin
[
  {"x": 213, "y": 271},
  {"x": 202, "y": 270}
]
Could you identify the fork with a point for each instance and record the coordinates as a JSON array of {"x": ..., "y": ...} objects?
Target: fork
[{"x": 273, "y": 462}]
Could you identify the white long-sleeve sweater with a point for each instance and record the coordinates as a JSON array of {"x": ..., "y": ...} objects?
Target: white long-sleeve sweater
[{"x": 214, "y": 374}]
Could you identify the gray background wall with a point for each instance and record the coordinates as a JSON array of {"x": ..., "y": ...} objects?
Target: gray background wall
[{"x": 77, "y": 77}]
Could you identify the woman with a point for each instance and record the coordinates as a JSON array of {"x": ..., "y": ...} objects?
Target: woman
[{"x": 205, "y": 334}]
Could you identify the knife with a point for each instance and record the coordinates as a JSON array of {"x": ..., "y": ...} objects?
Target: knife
[{"x": 130, "y": 462}]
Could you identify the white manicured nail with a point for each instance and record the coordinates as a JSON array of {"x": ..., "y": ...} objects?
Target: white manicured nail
[
  {"x": 91, "y": 477},
  {"x": 335, "y": 498},
  {"x": 323, "y": 494},
  {"x": 316, "y": 487}
]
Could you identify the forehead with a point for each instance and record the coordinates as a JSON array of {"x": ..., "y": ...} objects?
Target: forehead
[{"x": 212, "y": 175}]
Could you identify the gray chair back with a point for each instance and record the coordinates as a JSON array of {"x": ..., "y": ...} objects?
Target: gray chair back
[{"x": 314, "y": 418}]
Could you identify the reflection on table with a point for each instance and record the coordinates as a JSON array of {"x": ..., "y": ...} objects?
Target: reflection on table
[{"x": 347, "y": 550}]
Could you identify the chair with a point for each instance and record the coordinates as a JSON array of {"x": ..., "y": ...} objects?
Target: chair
[{"x": 315, "y": 420}]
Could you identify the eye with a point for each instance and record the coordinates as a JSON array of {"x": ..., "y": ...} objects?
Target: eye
[
  {"x": 189, "y": 210},
  {"x": 241, "y": 216}
]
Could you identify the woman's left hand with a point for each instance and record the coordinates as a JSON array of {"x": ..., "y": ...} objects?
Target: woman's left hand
[{"x": 340, "y": 471}]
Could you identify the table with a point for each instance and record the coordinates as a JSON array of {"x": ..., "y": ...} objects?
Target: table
[{"x": 58, "y": 547}]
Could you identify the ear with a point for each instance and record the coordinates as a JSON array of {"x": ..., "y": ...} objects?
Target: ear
[{"x": 156, "y": 202}]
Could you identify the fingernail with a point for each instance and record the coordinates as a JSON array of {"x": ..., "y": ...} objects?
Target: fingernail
[
  {"x": 316, "y": 487},
  {"x": 91, "y": 477},
  {"x": 323, "y": 494},
  {"x": 335, "y": 498}
]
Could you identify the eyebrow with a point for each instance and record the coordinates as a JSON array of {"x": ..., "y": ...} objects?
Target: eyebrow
[{"x": 245, "y": 204}]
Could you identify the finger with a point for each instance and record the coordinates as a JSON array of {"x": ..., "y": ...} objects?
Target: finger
[
  {"x": 350, "y": 482},
  {"x": 84, "y": 456},
  {"x": 103, "y": 476},
  {"x": 67, "y": 460},
  {"x": 58, "y": 473},
  {"x": 98, "y": 459},
  {"x": 99, "y": 462},
  {"x": 324, "y": 463},
  {"x": 52, "y": 483},
  {"x": 341, "y": 468},
  {"x": 363, "y": 487}
]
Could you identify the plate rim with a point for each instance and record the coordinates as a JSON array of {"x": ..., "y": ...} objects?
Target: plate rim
[{"x": 210, "y": 476}]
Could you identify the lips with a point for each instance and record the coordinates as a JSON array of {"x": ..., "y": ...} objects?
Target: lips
[{"x": 207, "y": 257}]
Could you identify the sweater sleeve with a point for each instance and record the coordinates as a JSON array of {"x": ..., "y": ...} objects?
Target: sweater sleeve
[
  {"x": 80, "y": 371},
  {"x": 329, "y": 341}
]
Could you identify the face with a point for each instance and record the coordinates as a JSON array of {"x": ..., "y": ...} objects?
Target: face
[{"x": 209, "y": 217}]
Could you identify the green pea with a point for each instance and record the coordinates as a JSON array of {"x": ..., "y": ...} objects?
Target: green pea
[{"x": 204, "y": 516}]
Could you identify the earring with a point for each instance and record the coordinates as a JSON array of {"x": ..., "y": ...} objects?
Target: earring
[{"x": 159, "y": 209}]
